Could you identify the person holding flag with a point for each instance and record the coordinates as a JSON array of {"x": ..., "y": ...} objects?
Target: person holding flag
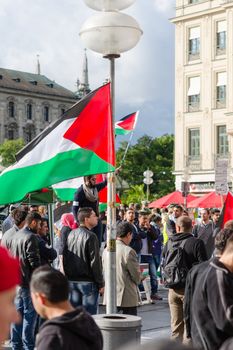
[{"x": 87, "y": 196}]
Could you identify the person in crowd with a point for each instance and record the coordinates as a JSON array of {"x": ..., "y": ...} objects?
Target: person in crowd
[
  {"x": 67, "y": 225},
  {"x": 25, "y": 246},
  {"x": 121, "y": 215},
  {"x": 128, "y": 274},
  {"x": 34, "y": 208},
  {"x": 157, "y": 245},
  {"x": 204, "y": 231},
  {"x": 81, "y": 262},
  {"x": 136, "y": 241},
  {"x": 215, "y": 216},
  {"x": 9, "y": 221},
  {"x": 47, "y": 253},
  {"x": 9, "y": 279},
  {"x": 66, "y": 327},
  {"x": 192, "y": 251},
  {"x": 177, "y": 211},
  {"x": 19, "y": 217},
  {"x": 196, "y": 274},
  {"x": 137, "y": 209},
  {"x": 42, "y": 210},
  {"x": 149, "y": 235},
  {"x": 213, "y": 302},
  {"x": 87, "y": 196}
]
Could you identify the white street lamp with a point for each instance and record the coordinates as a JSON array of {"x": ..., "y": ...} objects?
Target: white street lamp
[
  {"x": 110, "y": 33},
  {"x": 108, "y": 5}
]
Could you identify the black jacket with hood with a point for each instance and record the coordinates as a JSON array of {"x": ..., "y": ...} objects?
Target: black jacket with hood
[
  {"x": 71, "y": 331},
  {"x": 212, "y": 307}
]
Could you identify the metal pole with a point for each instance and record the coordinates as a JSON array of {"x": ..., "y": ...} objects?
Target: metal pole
[
  {"x": 147, "y": 192},
  {"x": 110, "y": 276},
  {"x": 51, "y": 223}
]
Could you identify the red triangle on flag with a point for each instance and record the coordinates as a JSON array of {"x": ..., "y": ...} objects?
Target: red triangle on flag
[{"x": 91, "y": 130}]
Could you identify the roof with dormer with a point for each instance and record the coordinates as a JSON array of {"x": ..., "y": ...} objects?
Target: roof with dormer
[{"x": 33, "y": 83}]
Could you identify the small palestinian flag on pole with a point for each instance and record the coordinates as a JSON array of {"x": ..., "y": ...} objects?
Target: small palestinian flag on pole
[
  {"x": 127, "y": 124},
  {"x": 79, "y": 143}
]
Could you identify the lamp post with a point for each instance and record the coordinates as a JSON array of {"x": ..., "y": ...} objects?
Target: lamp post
[{"x": 110, "y": 33}]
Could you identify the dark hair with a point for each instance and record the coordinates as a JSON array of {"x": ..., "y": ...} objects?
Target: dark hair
[
  {"x": 19, "y": 216},
  {"x": 155, "y": 218},
  {"x": 215, "y": 210},
  {"x": 177, "y": 206},
  {"x": 221, "y": 239},
  {"x": 185, "y": 222},
  {"x": 229, "y": 225},
  {"x": 207, "y": 210},
  {"x": 84, "y": 213},
  {"x": 33, "y": 215},
  {"x": 123, "y": 228},
  {"x": 52, "y": 283}
]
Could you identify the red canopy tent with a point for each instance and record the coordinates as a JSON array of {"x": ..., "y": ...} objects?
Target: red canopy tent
[
  {"x": 174, "y": 197},
  {"x": 209, "y": 200}
]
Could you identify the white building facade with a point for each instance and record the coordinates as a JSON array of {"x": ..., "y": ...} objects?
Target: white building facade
[{"x": 203, "y": 91}]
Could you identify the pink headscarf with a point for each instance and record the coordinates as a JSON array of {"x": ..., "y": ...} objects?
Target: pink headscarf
[{"x": 67, "y": 219}]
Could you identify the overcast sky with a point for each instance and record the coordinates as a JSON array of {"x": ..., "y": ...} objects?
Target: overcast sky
[{"x": 144, "y": 75}]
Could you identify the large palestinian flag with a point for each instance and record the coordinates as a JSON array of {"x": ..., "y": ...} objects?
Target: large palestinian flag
[
  {"x": 79, "y": 143},
  {"x": 127, "y": 124}
]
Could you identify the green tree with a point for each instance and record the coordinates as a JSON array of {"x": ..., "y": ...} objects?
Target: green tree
[
  {"x": 148, "y": 153},
  {"x": 8, "y": 150},
  {"x": 135, "y": 194}
]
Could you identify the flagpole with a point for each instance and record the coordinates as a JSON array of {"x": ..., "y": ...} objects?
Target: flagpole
[
  {"x": 127, "y": 147},
  {"x": 110, "y": 280}
]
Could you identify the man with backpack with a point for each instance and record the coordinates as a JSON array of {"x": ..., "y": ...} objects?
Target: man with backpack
[{"x": 180, "y": 253}]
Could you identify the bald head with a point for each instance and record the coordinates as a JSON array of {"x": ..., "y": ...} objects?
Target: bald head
[{"x": 183, "y": 224}]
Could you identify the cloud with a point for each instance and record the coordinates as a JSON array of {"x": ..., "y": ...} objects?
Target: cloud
[{"x": 164, "y": 6}]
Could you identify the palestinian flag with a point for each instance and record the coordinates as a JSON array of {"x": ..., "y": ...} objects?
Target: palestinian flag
[
  {"x": 227, "y": 211},
  {"x": 127, "y": 124},
  {"x": 65, "y": 191},
  {"x": 79, "y": 143}
]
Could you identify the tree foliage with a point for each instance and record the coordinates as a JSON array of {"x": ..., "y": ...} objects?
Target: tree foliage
[
  {"x": 8, "y": 150},
  {"x": 153, "y": 154}
]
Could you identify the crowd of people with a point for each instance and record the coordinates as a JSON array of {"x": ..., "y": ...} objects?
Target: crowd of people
[{"x": 56, "y": 288}]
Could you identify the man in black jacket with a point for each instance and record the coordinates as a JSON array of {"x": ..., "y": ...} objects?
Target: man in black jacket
[
  {"x": 47, "y": 253},
  {"x": 87, "y": 196},
  {"x": 25, "y": 246},
  {"x": 194, "y": 252},
  {"x": 212, "y": 303},
  {"x": 66, "y": 327},
  {"x": 82, "y": 264}
]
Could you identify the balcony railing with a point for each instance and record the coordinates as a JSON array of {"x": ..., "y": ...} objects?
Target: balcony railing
[{"x": 193, "y": 162}]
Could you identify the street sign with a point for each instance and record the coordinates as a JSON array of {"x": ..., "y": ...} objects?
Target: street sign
[
  {"x": 221, "y": 185},
  {"x": 148, "y": 181},
  {"x": 148, "y": 173}
]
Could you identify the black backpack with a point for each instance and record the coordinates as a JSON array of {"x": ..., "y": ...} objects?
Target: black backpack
[{"x": 175, "y": 267}]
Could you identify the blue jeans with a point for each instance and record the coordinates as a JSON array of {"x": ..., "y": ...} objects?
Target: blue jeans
[
  {"x": 23, "y": 334},
  {"x": 148, "y": 259},
  {"x": 84, "y": 294}
]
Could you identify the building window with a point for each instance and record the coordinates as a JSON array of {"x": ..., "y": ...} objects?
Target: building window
[
  {"x": 11, "y": 109},
  {"x": 194, "y": 43},
  {"x": 221, "y": 90},
  {"x": 62, "y": 111},
  {"x": 46, "y": 113},
  {"x": 194, "y": 143},
  {"x": 194, "y": 94},
  {"x": 193, "y": 1},
  {"x": 221, "y": 37},
  {"x": 222, "y": 141},
  {"x": 28, "y": 136},
  {"x": 29, "y": 111},
  {"x": 10, "y": 134}
]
